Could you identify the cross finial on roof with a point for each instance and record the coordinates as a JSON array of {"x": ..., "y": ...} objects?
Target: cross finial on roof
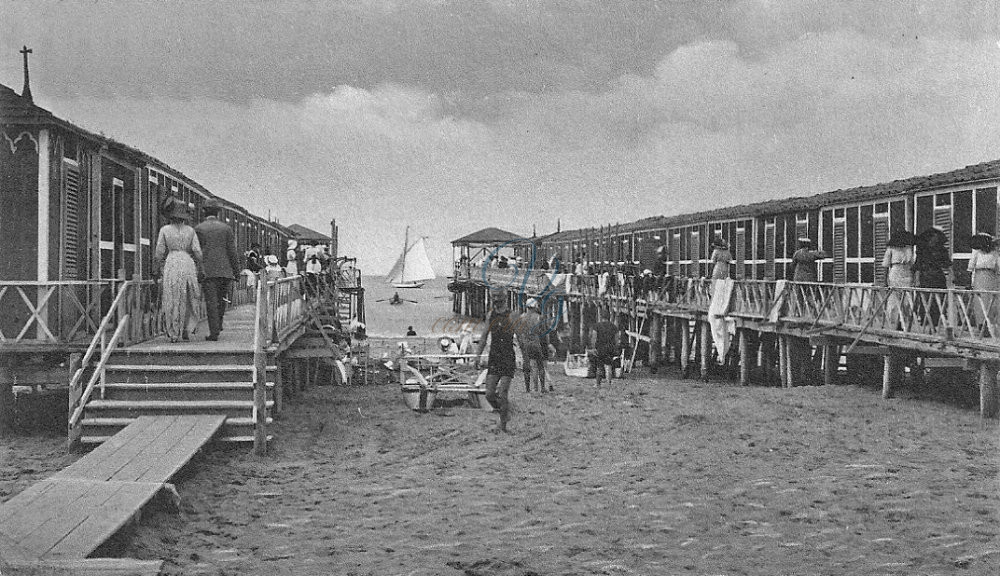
[{"x": 26, "y": 91}]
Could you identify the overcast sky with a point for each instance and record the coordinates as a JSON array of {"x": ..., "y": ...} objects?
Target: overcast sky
[{"x": 450, "y": 116}]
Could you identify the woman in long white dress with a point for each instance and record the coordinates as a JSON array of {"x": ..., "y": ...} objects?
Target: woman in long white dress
[
  {"x": 179, "y": 255},
  {"x": 898, "y": 262},
  {"x": 985, "y": 268}
]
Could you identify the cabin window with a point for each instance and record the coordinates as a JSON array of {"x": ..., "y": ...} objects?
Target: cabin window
[
  {"x": 852, "y": 236},
  {"x": 962, "y": 221},
  {"x": 867, "y": 232},
  {"x": 925, "y": 214},
  {"x": 986, "y": 210}
]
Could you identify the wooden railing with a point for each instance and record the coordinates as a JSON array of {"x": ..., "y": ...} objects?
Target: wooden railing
[
  {"x": 80, "y": 396},
  {"x": 285, "y": 307},
  {"x": 61, "y": 312}
]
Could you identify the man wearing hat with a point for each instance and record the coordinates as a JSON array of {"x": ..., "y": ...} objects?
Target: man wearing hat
[{"x": 220, "y": 264}]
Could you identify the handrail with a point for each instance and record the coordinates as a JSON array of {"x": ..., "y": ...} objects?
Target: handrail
[
  {"x": 85, "y": 397},
  {"x": 97, "y": 336},
  {"x": 260, "y": 369}
]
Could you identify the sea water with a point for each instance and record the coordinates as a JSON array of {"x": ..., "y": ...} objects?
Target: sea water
[{"x": 428, "y": 310}]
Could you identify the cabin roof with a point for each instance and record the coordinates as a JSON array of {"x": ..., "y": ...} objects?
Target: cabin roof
[
  {"x": 308, "y": 234},
  {"x": 488, "y": 236}
]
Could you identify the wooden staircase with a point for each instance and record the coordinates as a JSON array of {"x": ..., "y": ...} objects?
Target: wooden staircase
[{"x": 150, "y": 382}]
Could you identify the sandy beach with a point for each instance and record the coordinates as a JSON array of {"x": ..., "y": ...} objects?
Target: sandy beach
[{"x": 652, "y": 475}]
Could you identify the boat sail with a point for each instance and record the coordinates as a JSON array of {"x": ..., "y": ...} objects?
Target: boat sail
[{"x": 413, "y": 266}]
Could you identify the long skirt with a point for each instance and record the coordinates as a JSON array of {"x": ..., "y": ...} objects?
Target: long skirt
[
  {"x": 986, "y": 303},
  {"x": 181, "y": 294}
]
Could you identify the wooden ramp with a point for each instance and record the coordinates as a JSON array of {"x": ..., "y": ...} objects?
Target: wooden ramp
[{"x": 69, "y": 515}]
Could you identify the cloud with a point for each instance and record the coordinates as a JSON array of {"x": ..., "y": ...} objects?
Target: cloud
[{"x": 456, "y": 124}]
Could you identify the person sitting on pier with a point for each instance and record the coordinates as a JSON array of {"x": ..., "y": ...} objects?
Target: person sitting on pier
[
  {"x": 804, "y": 261},
  {"x": 410, "y": 331}
]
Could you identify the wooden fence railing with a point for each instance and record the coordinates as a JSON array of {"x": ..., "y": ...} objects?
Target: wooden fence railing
[{"x": 60, "y": 312}]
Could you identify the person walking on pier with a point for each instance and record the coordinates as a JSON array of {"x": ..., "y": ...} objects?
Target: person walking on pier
[
  {"x": 804, "y": 260},
  {"x": 985, "y": 268},
  {"x": 502, "y": 363},
  {"x": 898, "y": 262},
  {"x": 178, "y": 255},
  {"x": 604, "y": 338},
  {"x": 932, "y": 266},
  {"x": 221, "y": 264}
]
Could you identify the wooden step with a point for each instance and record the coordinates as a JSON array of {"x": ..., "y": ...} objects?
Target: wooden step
[
  {"x": 143, "y": 373},
  {"x": 97, "y": 430},
  {"x": 130, "y": 408},
  {"x": 196, "y": 357},
  {"x": 181, "y": 391}
]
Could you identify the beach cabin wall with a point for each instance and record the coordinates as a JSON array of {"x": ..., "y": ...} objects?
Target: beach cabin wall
[
  {"x": 960, "y": 211},
  {"x": 854, "y": 237}
]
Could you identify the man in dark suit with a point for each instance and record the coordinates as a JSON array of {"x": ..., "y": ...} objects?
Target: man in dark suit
[{"x": 220, "y": 264}]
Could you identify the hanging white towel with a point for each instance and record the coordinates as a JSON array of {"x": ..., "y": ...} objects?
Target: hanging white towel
[{"x": 722, "y": 297}]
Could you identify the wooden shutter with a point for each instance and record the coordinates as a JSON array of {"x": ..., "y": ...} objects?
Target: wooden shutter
[
  {"x": 840, "y": 249},
  {"x": 741, "y": 252},
  {"x": 71, "y": 220},
  {"x": 881, "y": 223},
  {"x": 769, "y": 250}
]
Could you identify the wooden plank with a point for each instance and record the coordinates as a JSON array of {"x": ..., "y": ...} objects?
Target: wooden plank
[
  {"x": 94, "y": 464},
  {"x": 21, "y": 500},
  {"x": 156, "y": 450},
  {"x": 204, "y": 429},
  {"x": 105, "y": 521},
  {"x": 157, "y": 428},
  {"x": 87, "y": 567},
  {"x": 91, "y": 496}
]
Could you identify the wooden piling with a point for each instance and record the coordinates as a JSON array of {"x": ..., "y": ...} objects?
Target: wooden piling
[
  {"x": 706, "y": 348},
  {"x": 744, "y": 358},
  {"x": 655, "y": 341},
  {"x": 685, "y": 345},
  {"x": 783, "y": 360},
  {"x": 892, "y": 368},
  {"x": 989, "y": 390},
  {"x": 830, "y": 361}
]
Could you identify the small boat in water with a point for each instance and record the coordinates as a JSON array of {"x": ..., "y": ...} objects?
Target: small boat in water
[{"x": 413, "y": 266}]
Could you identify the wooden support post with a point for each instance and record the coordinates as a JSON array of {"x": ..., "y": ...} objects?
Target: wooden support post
[
  {"x": 260, "y": 402},
  {"x": 831, "y": 359},
  {"x": 276, "y": 392},
  {"x": 685, "y": 344},
  {"x": 7, "y": 399},
  {"x": 783, "y": 360},
  {"x": 574, "y": 309},
  {"x": 706, "y": 348},
  {"x": 892, "y": 368},
  {"x": 989, "y": 390},
  {"x": 744, "y": 358},
  {"x": 655, "y": 341}
]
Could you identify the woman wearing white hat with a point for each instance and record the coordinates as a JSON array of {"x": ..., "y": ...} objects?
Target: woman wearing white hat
[{"x": 292, "y": 258}]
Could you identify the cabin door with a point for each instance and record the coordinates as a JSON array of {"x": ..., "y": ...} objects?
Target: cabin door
[{"x": 112, "y": 243}]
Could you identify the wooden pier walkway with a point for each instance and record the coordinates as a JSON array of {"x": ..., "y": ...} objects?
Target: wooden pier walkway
[{"x": 71, "y": 514}]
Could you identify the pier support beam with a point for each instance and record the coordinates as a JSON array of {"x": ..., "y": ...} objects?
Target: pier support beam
[
  {"x": 683, "y": 332},
  {"x": 655, "y": 341},
  {"x": 989, "y": 390},
  {"x": 706, "y": 348},
  {"x": 892, "y": 370},
  {"x": 744, "y": 358},
  {"x": 831, "y": 358},
  {"x": 784, "y": 371},
  {"x": 575, "y": 309}
]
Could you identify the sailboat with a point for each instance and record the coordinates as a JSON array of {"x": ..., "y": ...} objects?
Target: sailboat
[{"x": 413, "y": 266}]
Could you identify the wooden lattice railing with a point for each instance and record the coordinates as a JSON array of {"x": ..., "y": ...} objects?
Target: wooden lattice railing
[{"x": 61, "y": 312}]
